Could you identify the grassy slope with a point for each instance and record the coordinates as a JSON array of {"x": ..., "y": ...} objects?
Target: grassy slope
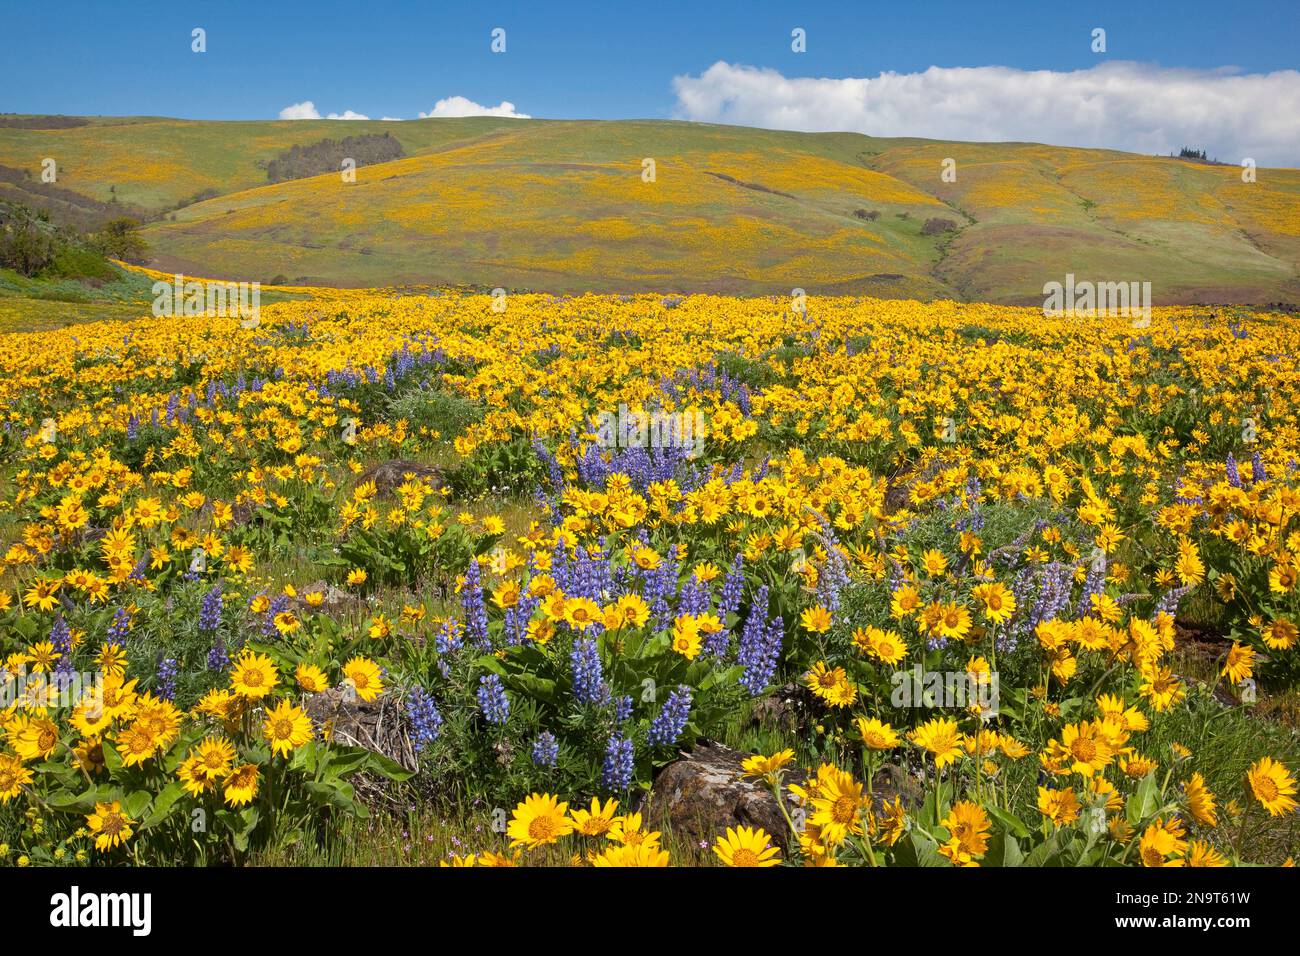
[{"x": 561, "y": 206}]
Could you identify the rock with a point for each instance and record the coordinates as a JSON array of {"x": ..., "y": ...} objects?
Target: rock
[
  {"x": 377, "y": 725},
  {"x": 242, "y": 513},
  {"x": 891, "y": 781},
  {"x": 332, "y": 597},
  {"x": 703, "y": 793},
  {"x": 387, "y": 475},
  {"x": 784, "y": 709}
]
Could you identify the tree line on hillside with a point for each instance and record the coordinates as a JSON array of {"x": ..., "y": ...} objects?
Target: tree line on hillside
[
  {"x": 32, "y": 245},
  {"x": 328, "y": 155}
]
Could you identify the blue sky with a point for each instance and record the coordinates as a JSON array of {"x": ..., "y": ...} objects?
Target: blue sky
[
  {"x": 620, "y": 60},
  {"x": 570, "y": 60}
]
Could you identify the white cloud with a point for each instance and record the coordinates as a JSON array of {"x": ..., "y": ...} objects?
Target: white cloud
[
  {"x": 304, "y": 110},
  {"x": 460, "y": 106},
  {"x": 1117, "y": 105},
  {"x": 307, "y": 110}
]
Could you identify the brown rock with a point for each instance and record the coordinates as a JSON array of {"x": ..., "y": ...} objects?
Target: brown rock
[
  {"x": 891, "y": 781},
  {"x": 387, "y": 475},
  {"x": 704, "y": 793},
  {"x": 377, "y": 725}
]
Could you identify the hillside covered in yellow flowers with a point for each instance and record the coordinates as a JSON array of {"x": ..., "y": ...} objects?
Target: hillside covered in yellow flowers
[{"x": 629, "y": 206}]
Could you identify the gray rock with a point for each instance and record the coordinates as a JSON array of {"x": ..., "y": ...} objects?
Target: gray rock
[
  {"x": 703, "y": 793},
  {"x": 387, "y": 475}
]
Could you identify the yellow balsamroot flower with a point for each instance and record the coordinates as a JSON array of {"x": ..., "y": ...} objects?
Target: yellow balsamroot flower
[
  {"x": 581, "y": 613},
  {"x": 241, "y": 785},
  {"x": 816, "y": 619},
  {"x": 111, "y": 659},
  {"x": 42, "y": 657},
  {"x": 627, "y": 831},
  {"x": 1161, "y": 688},
  {"x": 877, "y": 735},
  {"x": 1239, "y": 664},
  {"x": 214, "y": 758},
  {"x": 768, "y": 767},
  {"x": 223, "y": 705},
  {"x": 645, "y": 558},
  {"x": 34, "y": 739},
  {"x": 686, "y": 639},
  {"x": 1137, "y": 766},
  {"x": 364, "y": 676},
  {"x": 952, "y": 621},
  {"x": 357, "y": 577},
  {"x": 1114, "y": 709},
  {"x": 540, "y": 819},
  {"x": 933, "y": 563},
  {"x": 1189, "y": 566},
  {"x": 488, "y": 858},
  {"x": 192, "y": 778},
  {"x": 1272, "y": 785},
  {"x": 746, "y": 846},
  {"x": 13, "y": 777},
  {"x": 885, "y": 646},
  {"x": 380, "y": 627},
  {"x": 905, "y": 602},
  {"x": 286, "y": 728},
  {"x": 109, "y": 825},
  {"x": 506, "y": 595},
  {"x": 254, "y": 676},
  {"x": 1280, "y": 635},
  {"x": 889, "y": 825},
  {"x": 1200, "y": 801},
  {"x": 837, "y": 808},
  {"x": 1086, "y": 749},
  {"x": 42, "y": 595},
  {"x": 1012, "y": 748},
  {"x": 1200, "y": 853},
  {"x": 831, "y": 684},
  {"x": 633, "y": 609},
  {"x": 941, "y": 738},
  {"x": 597, "y": 821},
  {"x": 968, "y": 824},
  {"x": 1060, "y": 806},
  {"x": 997, "y": 604},
  {"x": 955, "y": 854},
  {"x": 311, "y": 678},
  {"x": 1162, "y": 843},
  {"x": 639, "y": 855},
  {"x": 159, "y": 717},
  {"x": 136, "y": 744},
  {"x": 540, "y": 631}
]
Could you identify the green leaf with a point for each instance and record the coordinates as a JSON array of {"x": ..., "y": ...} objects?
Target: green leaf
[
  {"x": 164, "y": 804},
  {"x": 916, "y": 849},
  {"x": 136, "y": 803},
  {"x": 1144, "y": 801},
  {"x": 387, "y": 767},
  {"x": 1004, "y": 850},
  {"x": 1010, "y": 821}
]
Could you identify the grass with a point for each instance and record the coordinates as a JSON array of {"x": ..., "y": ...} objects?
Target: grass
[{"x": 428, "y": 837}]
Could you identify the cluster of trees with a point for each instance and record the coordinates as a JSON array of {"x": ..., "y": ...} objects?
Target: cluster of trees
[
  {"x": 33, "y": 246},
  {"x": 327, "y": 156},
  {"x": 1198, "y": 156},
  {"x": 937, "y": 226},
  {"x": 14, "y": 121}
]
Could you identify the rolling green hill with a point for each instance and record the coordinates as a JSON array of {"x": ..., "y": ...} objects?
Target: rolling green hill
[{"x": 562, "y": 206}]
